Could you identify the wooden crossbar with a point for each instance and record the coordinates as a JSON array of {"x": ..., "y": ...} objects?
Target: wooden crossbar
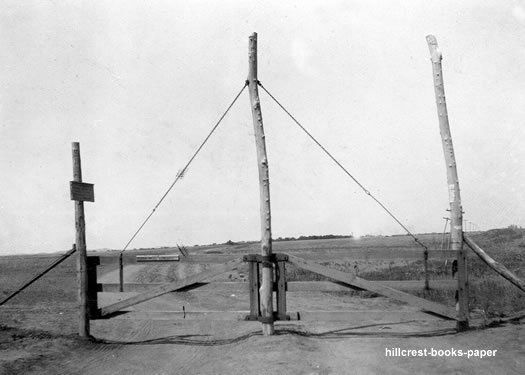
[
  {"x": 376, "y": 287},
  {"x": 157, "y": 258},
  {"x": 313, "y": 254},
  {"x": 386, "y": 316},
  {"x": 291, "y": 286},
  {"x": 166, "y": 288}
]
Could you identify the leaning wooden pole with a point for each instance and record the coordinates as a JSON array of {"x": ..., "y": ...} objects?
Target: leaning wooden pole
[
  {"x": 496, "y": 266},
  {"x": 456, "y": 213},
  {"x": 266, "y": 289},
  {"x": 80, "y": 227}
]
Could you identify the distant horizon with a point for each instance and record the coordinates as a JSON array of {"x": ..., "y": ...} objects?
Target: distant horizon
[{"x": 279, "y": 239}]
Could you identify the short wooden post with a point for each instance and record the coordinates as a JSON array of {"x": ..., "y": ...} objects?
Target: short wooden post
[
  {"x": 280, "y": 276},
  {"x": 92, "y": 292},
  {"x": 121, "y": 272},
  {"x": 425, "y": 265},
  {"x": 444, "y": 238},
  {"x": 456, "y": 213},
  {"x": 80, "y": 226},
  {"x": 253, "y": 278},
  {"x": 266, "y": 294}
]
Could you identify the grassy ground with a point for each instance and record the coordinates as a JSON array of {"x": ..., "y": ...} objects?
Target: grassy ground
[
  {"x": 58, "y": 286},
  {"x": 489, "y": 293}
]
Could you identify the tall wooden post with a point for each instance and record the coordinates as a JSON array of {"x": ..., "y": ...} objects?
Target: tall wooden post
[
  {"x": 456, "y": 213},
  {"x": 80, "y": 226},
  {"x": 266, "y": 290}
]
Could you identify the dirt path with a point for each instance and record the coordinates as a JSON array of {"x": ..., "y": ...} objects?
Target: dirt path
[{"x": 198, "y": 347}]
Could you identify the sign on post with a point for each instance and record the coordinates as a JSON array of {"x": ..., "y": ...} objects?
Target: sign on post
[{"x": 82, "y": 192}]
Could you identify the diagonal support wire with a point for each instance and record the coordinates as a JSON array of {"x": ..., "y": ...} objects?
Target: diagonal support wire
[
  {"x": 367, "y": 192},
  {"x": 182, "y": 172},
  {"x": 55, "y": 263}
]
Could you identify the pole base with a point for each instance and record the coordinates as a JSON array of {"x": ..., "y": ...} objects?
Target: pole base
[{"x": 462, "y": 326}]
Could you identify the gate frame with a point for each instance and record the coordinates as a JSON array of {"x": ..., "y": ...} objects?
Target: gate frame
[
  {"x": 255, "y": 262},
  {"x": 261, "y": 304}
]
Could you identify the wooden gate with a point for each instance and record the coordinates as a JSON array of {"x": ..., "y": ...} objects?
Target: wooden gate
[
  {"x": 340, "y": 281},
  {"x": 107, "y": 311}
]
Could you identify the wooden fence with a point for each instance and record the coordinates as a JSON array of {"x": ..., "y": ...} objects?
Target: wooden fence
[{"x": 338, "y": 281}]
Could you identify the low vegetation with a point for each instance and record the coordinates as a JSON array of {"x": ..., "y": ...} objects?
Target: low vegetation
[{"x": 490, "y": 294}]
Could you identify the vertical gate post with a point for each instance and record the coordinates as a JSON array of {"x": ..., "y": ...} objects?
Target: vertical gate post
[
  {"x": 92, "y": 290},
  {"x": 120, "y": 272},
  {"x": 280, "y": 275},
  {"x": 253, "y": 278},
  {"x": 266, "y": 294},
  {"x": 80, "y": 226},
  {"x": 456, "y": 213}
]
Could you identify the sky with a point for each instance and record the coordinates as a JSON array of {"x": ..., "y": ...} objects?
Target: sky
[{"x": 139, "y": 84}]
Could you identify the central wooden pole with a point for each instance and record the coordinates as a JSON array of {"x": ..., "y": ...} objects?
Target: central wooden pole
[
  {"x": 456, "y": 212},
  {"x": 266, "y": 290},
  {"x": 80, "y": 227}
]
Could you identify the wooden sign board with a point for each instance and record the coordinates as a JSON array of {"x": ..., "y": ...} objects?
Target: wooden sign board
[{"x": 80, "y": 191}]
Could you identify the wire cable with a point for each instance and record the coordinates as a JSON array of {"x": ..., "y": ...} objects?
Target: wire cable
[
  {"x": 181, "y": 173},
  {"x": 55, "y": 263},
  {"x": 367, "y": 192}
]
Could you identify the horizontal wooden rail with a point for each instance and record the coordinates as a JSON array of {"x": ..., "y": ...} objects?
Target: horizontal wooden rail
[
  {"x": 321, "y": 255},
  {"x": 515, "y": 316},
  {"x": 292, "y": 286},
  {"x": 157, "y": 258},
  {"x": 376, "y": 316}
]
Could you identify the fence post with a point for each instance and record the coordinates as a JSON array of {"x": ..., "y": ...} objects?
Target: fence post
[
  {"x": 425, "y": 265},
  {"x": 280, "y": 276},
  {"x": 92, "y": 289},
  {"x": 456, "y": 213},
  {"x": 266, "y": 290},
  {"x": 444, "y": 237},
  {"x": 80, "y": 227},
  {"x": 253, "y": 278},
  {"x": 120, "y": 272}
]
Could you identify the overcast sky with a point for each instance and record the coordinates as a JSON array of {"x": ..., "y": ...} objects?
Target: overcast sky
[{"x": 139, "y": 85}]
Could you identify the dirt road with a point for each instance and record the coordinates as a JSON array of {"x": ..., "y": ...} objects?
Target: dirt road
[{"x": 198, "y": 347}]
